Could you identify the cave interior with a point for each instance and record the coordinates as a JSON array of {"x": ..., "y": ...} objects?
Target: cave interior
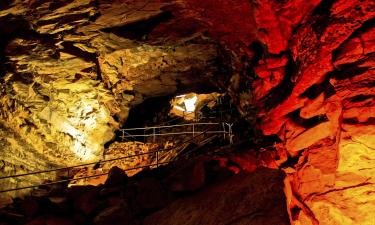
[{"x": 187, "y": 112}]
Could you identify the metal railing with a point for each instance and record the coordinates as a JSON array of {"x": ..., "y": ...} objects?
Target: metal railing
[
  {"x": 148, "y": 165},
  {"x": 226, "y": 130},
  {"x": 78, "y": 166}
]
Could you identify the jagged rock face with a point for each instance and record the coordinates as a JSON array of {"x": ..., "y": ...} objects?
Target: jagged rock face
[
  {"x": 326, "y": 118},
  {"x": 14, "y": 147},
  {"x": 54, "y": 104},
  {"x": 312, "y": 81},
  {"x": 72, "y": 69},
  {"x": 151, "y": 71}
]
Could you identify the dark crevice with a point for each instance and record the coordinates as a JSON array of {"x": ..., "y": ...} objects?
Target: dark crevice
[
  {"x": 224, "y": 71},
  {"x": 366, "y": 182},
  {"x": 65, "y": 19},
  {"x": 201, "y": 88},
  {"x": 152, "y": 111},
  {"x": 140, "y": 29},
  {"x": 360, "y": 98},
  {"x": 47, "y": 40},
  {"x": 292, "y": 161},
  {"x": 73, "y": 50},
  {"x": 283, "y": 90},
  {"x": 315, "y": 90},
  {"x": 349, "y": 70},
  {"x": 53, "y": 5},
  {"x": 11, "y": 49},
  {"x": 259, "y": 50},
  {"x": 295, "y": 213},
  {"x": 259, "y": 141},
  {"x": 321, "y": 16},
  {"x": 366, "y": 26},
  {"x": 98, "y": 70},
  {"x": 96, "y": 5},
  {"x": 129, "y": 92},
  {"x": 7, "y": 33},
  {"x": 307, "y": 123},
  {"x": 149, "y": 112},
  {"x": 354, "y": 121},
  {"x": 25, "y": 78}
]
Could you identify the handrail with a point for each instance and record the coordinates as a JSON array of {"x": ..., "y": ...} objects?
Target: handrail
[
  {"x": 177, "y": 125},
  {"x": 177, "y": 133},
  {"x": 101, "y": 161},
  {"x": 157, "y": 130},
  {"x": 92, "y": 163},
  {"x": 80, "y": 165},
  {"x": 79, "y": 178}
]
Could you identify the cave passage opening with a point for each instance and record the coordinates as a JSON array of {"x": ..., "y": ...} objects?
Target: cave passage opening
[{"x": 178, "y": 110}]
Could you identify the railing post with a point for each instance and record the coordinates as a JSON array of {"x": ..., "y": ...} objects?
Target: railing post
[
  {"x": 153, "y": 133},
  {"x": 230, "y": 131},
  {"x": 193, "y": 131},
  {"x": 223, "y": 124},
  {"x": 123, "y": 135},
  {"x": 157, "y": 158}
]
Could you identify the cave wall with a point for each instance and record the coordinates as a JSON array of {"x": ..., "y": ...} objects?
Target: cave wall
[
  {"x": 327, "y": 118},
  {"x": 304, "y": 71},
  {"x": 71, "y": 70},
  {"x": 309, "y": 78}
]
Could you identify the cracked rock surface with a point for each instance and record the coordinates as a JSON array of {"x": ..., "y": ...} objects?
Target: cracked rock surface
[{"x": 71, "y": 70}]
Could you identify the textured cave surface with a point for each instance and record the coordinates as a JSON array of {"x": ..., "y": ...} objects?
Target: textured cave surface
[{"x": 303, "y": 71}]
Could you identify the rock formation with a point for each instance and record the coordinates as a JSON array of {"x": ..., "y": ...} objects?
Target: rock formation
[
  {"x": 69, "y": 78},
  {"x": 301, "y": 72},
  {"x": 306, "y": 69}
]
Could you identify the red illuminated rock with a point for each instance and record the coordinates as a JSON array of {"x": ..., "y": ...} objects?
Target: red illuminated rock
[
  {"x": 271, "y": 72},
  {"x": 324, "y": 119},
  {"x": 276, "y": 21}
]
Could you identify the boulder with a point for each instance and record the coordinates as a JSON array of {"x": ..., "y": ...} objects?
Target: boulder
[{"x": 116, "y": 176}]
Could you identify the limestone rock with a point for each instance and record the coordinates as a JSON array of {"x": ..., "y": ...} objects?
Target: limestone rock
[
  {"x": 69, "y": 76},
  {"x": 157, "y": 70}
]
